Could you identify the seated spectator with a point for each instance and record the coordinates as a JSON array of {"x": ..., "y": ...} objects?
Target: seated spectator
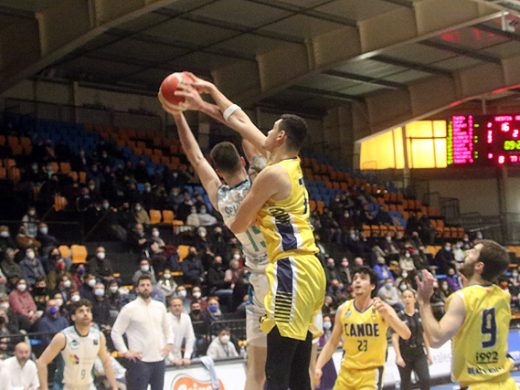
[
  {"x": 406, "y": 262},
  {"x": 200, "y": 327},
  {"x": 10, "y": 267},
  {"x": 167, "y": 284},
  {"x": 65, "y": 287},
  {"x": 184, "y": 335},
  {"x": 212, "y": 312},
  {"x": 222, "y": 347},
  {"x": 437, "y": 301},
  {"x": 453, "y": 280},
  {"x": 144, "y": 268},
  {"x": 382, "y": 271},
  {"x": 330, "y": 270},
  {"x": 389, "y": 293},
  {"x": 48, "y": 241},
  {"x": 32, "y": 267},
  {"x": 100, "y": 266},
  {"x": 444, "y": 259},
  {"x": 114, "y": 297},
  {"x": 137, "y": 239},
  {"x": 345, "y": 273},
  {"x": 205, "y": 218},
  {"x": 13, "y": 321},
  {"x": 6, "y": 241},
  {"x": 24, "y": 241},
  {"x": 51, "y": 322},
  {"x": 140, "y": 215},
  {"x": 22, "y": 302},
  {"x": 30, "y": 222},
  {"x": 101, "y": 308},
  {"x": 21, "y": 370},
  {"x": 192, "y": 268},
  {"x": 193, "y": 217},
  {"x": 40, "y": 294},
  {"x": 86, "y": 289},
  {"x": 3, "y": 283},
  {"x": 218, "y": 284}
]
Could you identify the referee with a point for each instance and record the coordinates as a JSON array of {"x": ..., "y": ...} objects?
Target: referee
[{"x": 150, "y": 338}]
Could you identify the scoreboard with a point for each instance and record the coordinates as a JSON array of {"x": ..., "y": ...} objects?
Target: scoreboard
[{"x": 484, "y": 140}]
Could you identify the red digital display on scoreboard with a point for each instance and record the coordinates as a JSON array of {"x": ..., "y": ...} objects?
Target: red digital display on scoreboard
[{"x": 483, "y": 140}]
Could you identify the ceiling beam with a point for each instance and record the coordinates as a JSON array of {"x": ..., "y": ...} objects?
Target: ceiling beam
[
  {"x": 463, "y": 51},
  {"x": 498, "y": 31},
  {"x": 365, "y": 79},
  {"x": 327, "y": 94},
  {"x": 410, "y": 64}
]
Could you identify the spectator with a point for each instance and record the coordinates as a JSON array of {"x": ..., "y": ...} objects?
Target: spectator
[
  {"x": 330, "y": 271},
  {"x": 144, "y": 269},
  {"x": 140, "y": 215},
  {"x": 65, "y": 287},
  {"x": 406, "y": 262},
  {"x": 30, "y": 222},
  {"x": 24, "y": 241},
  {"x": 21, "y": 370},
  {"x": 40, "y": 294},
  {"x": 453, "y": 280},
  {"x": 100, "y": 266},
  {"x": 101, "y": 308},
  {"x": 3, "y": 283},
  {"x": 218, "y": 285},
  {"x": 212, "y": 312},
  {"x": 32, "y": 267},
  {"x": 193, "y": 271},
  {"x": 167, "y": 284},
  {"x": 183, "y": 333},
  {"x": 444, "y": 259},
  {"x": 21, "y": 301},
  {"x": 345, "y": 274},
  {"x": 86, "y": 290},
  {"x": 51, "y": 322},
  {"x": 389, "y": 293},
  {"x": 222, "y": 347},
  {"x": 200, "y": 327},
  {"x": 114, "y": 297},
  {"x": 6, "y": 241},
  {"x": 445, "y": 289},
  {"x": 10, "y": 267},
  {"x": 382, "y": 271},
  {"x": 193, "y": 218},
  {"x": 206, "y": 219},
  {"x": 48, "y": 241},
  {"x": 58, "y": 268},
  {"x": 11, "y": 320},
  {"x": 137, "y": 239}
]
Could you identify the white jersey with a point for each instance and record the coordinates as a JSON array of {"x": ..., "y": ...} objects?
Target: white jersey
[
  {"x": 75, "y": 368},
  {"x": 252, "y": 240}
]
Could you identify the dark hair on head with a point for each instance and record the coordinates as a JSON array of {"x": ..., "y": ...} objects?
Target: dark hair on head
[
  {"x": 295, "y": 128},
  {"x": 225, "y": 157},
  {"x": 495, "y": 258},
  {"x": 74, "y": 306},
  {"x": 143, "y": 277},
  {"x": 363, "y": 269}
]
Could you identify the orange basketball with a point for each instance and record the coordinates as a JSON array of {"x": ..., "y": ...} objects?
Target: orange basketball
[{"x": 170, "y": 84}]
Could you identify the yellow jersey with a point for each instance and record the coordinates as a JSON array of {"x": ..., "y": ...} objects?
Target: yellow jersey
[
  {"x": 364, "y": 337},
  {"x": 285, "y": 223},
  {"x": 481, "y": 344}
]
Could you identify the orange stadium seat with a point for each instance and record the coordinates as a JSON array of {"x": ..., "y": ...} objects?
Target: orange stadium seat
[
  {"x": 183, "y": 251},
  {"x": 168, "y": 216},
  {"x": 79, "y": 253},
  {"x": 65, "y": 251},
  {"x": 155, "y": 216}
]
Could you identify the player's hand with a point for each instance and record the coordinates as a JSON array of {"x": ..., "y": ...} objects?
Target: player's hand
[
  {"x": 133, "y": 356},
  {"x": 192, "y": 98},
  {"x": 202, "y": 86},
  {"x": 429, "y": 358},
  {"x": 381, "y": 307},
  {"x": 167, "y": 106},
  {"x": 424, "y": 286},
  {"x": 186, "y": 362},
  {"x": 400, "y": 362},
  {"x": 317, "y": 376}
]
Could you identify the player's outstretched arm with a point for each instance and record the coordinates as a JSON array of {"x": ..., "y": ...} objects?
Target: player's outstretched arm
[
  {"x": 392, "y": 319},
  {"x": 107, "y": 365},
  {"x": 266, "y": 185},
  {"x": 207, "y": 175},
  {"x": 52, "y": 350},
  {"x": 329, "y": 348},
  {"x": 438, "y": 332}
]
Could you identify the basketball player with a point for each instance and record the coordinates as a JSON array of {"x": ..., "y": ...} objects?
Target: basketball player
[
  {"x": 79, "y": 346},
  {"x": 278, "y": 201},
  {"x": 363, "y": 323},
  {"x": 477, "y": 320},
  {"x": 226, "y": 198}
]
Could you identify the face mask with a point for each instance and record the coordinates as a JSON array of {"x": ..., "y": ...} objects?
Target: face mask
[
  {"x": 202, "y": 234},
  {"x": 145, "y": 268},
  {"x": 32, "y": 213},
  {"x": 344, "y": 265},
  {"x": 405, "y": 275},
  {"x": 403, "y": 287},
  {"x": 67, "y": 284},
  {"x": 81, "y": 271},
  {"x": 155, "y": 234},
  {"x": 4, "y": 234},
  {"x": 30, "y": 255},
  {"x": 197, "y": 294},
  {"x": 99, "y": 292},
  {"x": 203, "y": 211},
  {"x": 21, "y": 287},
  {"x": 59, "y": 302},
  {"x": 167, "y": 276},
  {"x": 123, "y": 291},
  {"x": 213, "y": 308},
  {"x": 327, "y": 325},
  {"x": 194, "y": 211},
  {"x": 388, "y": 286},
  {"x": 113, "y": 289},
  {"x": 447, "y": 248},
  {"x": 100, "y": 255},
  {"x": 236, "y": 256},
  {"x": 388, "y": 239},
  {"x": 196, "y": 311},
  {"x": 182, "y": 293},
  {"x": 53, "y": 310},
  {"x": 515, "y": 274},
  {"x": 137, "y": 208},
  {"x": 224, "y": 339},
  {"x": 4, "y": 305},
  {"x": 407, "y": 255},
  {"x": 105, "y": 205},
  {"x": 75, "y": 298},
  {"x": 44, "y": 230},
  {"x": 92, "y": 282}
]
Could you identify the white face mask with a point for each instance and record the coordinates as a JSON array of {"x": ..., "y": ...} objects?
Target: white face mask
[
  {"x": 167, "y": 276},
  {"x": 67, "y": 284},
  {"x": 197, "y": 294},
  {"x": 327, "y": 325},
  {"x": 92, "y": 282},
  {"x": 75, "y": 298},
  {"x": 236, "y": 256},
  {"x": 99, "y": 292},
  {"x": 145, "y": 268},
  {"x": 21, "y": 287},
  {"x": 100, "y": 255},
  {"x": 44, "y": 230},
  {"x": 30, "y": 255},
  {"x": 59, "y": 302},
  {"x": 4, "y": 305},
  {"x": 4, "y": 234},
  {"x": 113, "y": 289},
  {"x": 155, "y": 233},
  {"x": 224, "y": 339},
  {"x": 182, "y": 293}
]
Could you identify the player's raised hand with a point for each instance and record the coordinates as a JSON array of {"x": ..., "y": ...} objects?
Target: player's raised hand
[
  {"x": 166, "y": 106},
  {"x": 202, "y": 86},
  {"x": 424, "y": 286},
  {"x": 382, "y": 307},
  {"x": 192, "y": 99}
]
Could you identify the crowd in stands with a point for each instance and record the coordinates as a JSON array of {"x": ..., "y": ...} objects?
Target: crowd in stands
[{"x": 207, "y": 284}]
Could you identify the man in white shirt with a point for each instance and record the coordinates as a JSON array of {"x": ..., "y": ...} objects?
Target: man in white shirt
[
  {"x": 221, "y": 347},
  {"x": 22, "y": 371},
  {"x": 182, "y": 331},
  {"x": 150, "y": 338}
]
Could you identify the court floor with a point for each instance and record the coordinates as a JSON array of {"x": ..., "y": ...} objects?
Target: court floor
[{"x": 515, "y": 375}]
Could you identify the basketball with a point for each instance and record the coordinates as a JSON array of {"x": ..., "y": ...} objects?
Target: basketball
[{"x": 170, "y": 84}]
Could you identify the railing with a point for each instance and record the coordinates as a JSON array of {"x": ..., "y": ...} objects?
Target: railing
[{"x": 67, "y": 231}]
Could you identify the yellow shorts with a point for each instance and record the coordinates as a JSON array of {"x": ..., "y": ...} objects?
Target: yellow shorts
[
  {"x": 359, "y": 379},
  {"x": 296, "y": 293},
  {"x": 508, "y": 384}
]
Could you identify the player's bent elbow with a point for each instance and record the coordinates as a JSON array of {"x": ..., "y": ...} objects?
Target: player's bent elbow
[
  {"x": 406, "y": 334},
  {"x": 435, "y": 343}
]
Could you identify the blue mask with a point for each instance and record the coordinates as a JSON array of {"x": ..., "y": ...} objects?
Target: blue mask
[
  {"x": 213, "y": 308},
  {"x": 53, "y": 310}
]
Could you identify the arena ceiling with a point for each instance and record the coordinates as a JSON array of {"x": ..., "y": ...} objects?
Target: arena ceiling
[{"x": 392, "y": 59}]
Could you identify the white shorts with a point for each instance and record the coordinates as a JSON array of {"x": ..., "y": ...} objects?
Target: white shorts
[{"x": 255, "y": 310}]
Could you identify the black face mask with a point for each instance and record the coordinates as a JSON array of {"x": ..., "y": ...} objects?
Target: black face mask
[{"x": 196, "y": 311}]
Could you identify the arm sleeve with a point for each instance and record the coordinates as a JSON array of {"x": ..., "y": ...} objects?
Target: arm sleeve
[{"x": 190, "y": 339}]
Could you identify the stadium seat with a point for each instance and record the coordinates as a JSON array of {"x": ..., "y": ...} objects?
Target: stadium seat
[
  {"x": 168, "y": 216},
  {"x": 79, "y": 254},
  {"x": 183, "y": 251},
  {"x": 65, "y": 251},
  {"x": 155, "y": 216}
]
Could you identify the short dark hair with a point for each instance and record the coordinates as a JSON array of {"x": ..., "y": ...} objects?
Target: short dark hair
[
  {"x": 225, "y": 157},
  {"x": 495, "y": 258},
  {"x": 145, "y": 276},
  {"x": 295, "y": 128},
  {"x": 76, "y": 305},
  {"x": 363, "y": 269}
]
